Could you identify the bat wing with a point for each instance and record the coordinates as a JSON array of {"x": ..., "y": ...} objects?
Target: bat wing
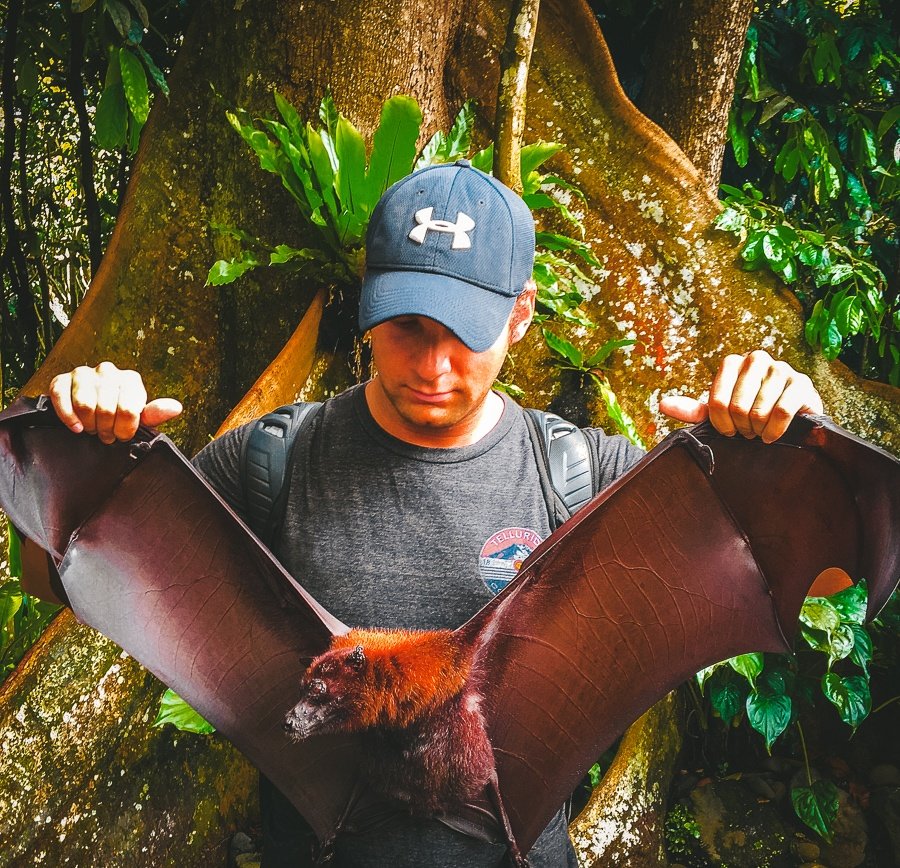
[
  {"x": 151, "y": 557},
  {"x": 703, "y": 551}
]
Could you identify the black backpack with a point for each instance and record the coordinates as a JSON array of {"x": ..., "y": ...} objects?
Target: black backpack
[{"x": 566, "y": 465}]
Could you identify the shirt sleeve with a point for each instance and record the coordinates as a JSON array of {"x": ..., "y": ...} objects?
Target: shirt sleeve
[
  {"x": 616, "y": 455},
  {"x": 219, "y": 462}
]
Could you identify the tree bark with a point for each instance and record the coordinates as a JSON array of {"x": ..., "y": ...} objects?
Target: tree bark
[
  {"x": 689, "y": 89},
  {"x": 668, "y": 277},
  {"x": 622, "y": 826}
]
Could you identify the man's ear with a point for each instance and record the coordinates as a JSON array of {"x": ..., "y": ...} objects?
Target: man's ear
[{"x": 523, "y": 312}]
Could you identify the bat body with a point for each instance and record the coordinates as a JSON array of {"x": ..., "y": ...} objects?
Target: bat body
[
  {"x": 704, "y": 550},
  {"x": 413, "y": 695}
]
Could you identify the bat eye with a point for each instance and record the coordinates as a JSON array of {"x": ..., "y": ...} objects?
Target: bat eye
[{"x": 317, "y": 687}]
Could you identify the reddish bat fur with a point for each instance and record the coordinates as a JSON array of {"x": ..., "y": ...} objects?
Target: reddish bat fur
[{"x": 413, "y": 696}]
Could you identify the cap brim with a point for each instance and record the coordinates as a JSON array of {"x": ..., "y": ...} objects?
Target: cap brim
[{"x": 475, "y": 315}]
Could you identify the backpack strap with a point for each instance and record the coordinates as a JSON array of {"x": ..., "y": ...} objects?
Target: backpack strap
[
  {"x": 565, "y": 463},
  {"x": 265, "y": 465}
]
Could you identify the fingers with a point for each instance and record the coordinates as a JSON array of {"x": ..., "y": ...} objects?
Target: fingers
[
  {"x": 758, "y": 396},
  {"x": 60, "y": 392},
  {"x": 684, "y": 409},
  {"x": 108, "y": 402},
  {"x": 160, "y": 410}
]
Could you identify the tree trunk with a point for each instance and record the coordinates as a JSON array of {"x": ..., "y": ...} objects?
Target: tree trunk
[
  {"x": 689, "y": 89},
  {"x": 668, "y": 277},
  {"x": 622, "y": 824}
]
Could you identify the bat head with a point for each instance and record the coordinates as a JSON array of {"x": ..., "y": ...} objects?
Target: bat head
[{"x": 332, "y": 693}]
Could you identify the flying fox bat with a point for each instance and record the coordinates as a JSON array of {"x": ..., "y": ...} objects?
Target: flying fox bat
[{"x": 702, "y": 551}]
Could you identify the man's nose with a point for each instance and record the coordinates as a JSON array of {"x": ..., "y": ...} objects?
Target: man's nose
[{"x": 434, "y": 360}]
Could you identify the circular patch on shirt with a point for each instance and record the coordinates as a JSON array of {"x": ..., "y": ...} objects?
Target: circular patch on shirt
[{"x": 502, "y": 556}]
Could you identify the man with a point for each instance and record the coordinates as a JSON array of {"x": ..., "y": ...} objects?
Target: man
[{"x": 408, "y": 490}]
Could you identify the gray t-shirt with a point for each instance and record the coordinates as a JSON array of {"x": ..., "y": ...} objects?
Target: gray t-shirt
[{"x": 384, "y": 533}]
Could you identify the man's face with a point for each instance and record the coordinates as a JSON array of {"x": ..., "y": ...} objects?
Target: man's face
[{"x": 431, "y": 379}]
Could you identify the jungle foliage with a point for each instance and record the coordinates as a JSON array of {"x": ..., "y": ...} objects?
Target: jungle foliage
[
  {"x": 812, "y": 167},
  {"x": 78, "y": 79}
]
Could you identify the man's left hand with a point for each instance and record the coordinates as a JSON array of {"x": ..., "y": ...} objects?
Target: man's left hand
[{"x": 754, "y": 395}]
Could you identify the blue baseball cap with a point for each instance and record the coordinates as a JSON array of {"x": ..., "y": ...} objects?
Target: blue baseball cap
[{"x": 451, "y": 243}]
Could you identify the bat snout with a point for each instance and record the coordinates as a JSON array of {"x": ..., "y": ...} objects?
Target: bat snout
[{"x": 303, "y": 721}]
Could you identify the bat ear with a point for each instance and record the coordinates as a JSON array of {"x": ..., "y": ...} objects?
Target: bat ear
[{"x": 357, "y": 657}]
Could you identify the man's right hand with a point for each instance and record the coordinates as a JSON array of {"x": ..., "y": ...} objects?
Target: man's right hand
[{"x": 107, "y": 402}]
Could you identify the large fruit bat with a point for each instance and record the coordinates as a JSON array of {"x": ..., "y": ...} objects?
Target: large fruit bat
[{"x": 702, "y": 551}]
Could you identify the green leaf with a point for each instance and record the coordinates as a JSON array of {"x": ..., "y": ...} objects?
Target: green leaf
[
  {"x": 393, "y": 145},
  {"x": 350, "y": 177},
  {"x": 134, "y": 134},
  {"x": 793, "y": 115},
  {"x": 602, "y": 354},
  {"x": 769, "y": 714},
  {"x": 704, "y": 673},
  {"x": 111, "y": 117},
  {"x": 819, "y": 613},
  {"x": 134, "y": 80},
  {"x": 623, "y": 422},
  {"x": 888, "y": 120},
  {"x": 10, "y": 602},
  {"x": 141, "y": 10},
  {"x": 748, "y": 665},
  {"x": 510, "y": 389},
  {"x": 726, "y": 695},
  {"x": 155, "y": 72},
  {"x": 283, "y": 253},
  {"x": 329, "y": 115},
  {"x": 13, "y": 550},
  {"x": 849, "y": 695},
  {"x": 861, "y": 654},
  {"x": 484, "y": 159},
  {"x": 82, "y": 5},
  {"x": 552, "y": 241},
  {"x": 773, "y": 106},
  {"x": 536, "y": 154},
  {"x": 817, "y": 806},
  {"x": 563, "y": 348},
  {"x": 740, "y": 140},
  {"x": 226, "y": 271},
  {"x": 120, "y": 16},
  {"x": 840, "y": 644},
  {"x": 849, "y": 316},
  {"x": 445, "y": 148},
  {"x": 173, "y": 709}
]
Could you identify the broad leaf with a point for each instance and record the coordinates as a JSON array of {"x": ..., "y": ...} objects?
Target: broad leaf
[
  {"x": 226, "y": 271},
  {"x": 748, "y": 665},
  {"x": 484, "y": 159},
  {"x": 861, "y": 654},
  {"x": 120, "y": 16},
  {"x": 817, "y": 806},
  {"x": 351, "y": 173},
  {"x": 769, "y": 714},
  {"x": 134, "y": 80},
  {"x": 563, "y": 348},
  {"x": 599, "y": 357},
  {"x": 851, "y": 602},
  {"x": 537, "y": 153},
  {"x": 393, "y": 145},
  {"x": 850, "y": 696},
  {"x": 111, "y": 118},
  {"x": 173, "y": 709},
  {"x": 704, "y": 673},
  {"x": 155, "y": 72},
  {"x": 820, "y": 614},
  {"x": 726, "y": 695}
]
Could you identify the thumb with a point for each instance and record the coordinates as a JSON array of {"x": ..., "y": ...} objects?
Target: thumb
[
  {"x": 160, "y": 410},
  {"x": 684, "y": 409}
]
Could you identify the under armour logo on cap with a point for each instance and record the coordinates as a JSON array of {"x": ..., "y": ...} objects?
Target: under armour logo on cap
[{"x": 464, "y": 223}]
